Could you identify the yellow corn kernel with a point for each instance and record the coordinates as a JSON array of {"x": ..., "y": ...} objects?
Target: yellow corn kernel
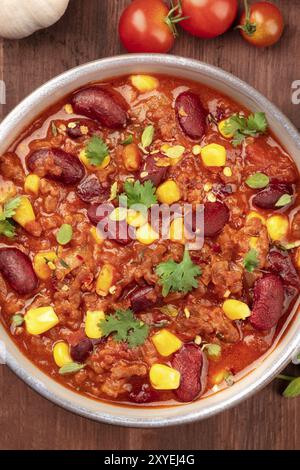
[
  {"x": 41, "y": 263},
  {"x": 166, "y": 343},
  {"x": 222, "y": 127},
  {"x": 84, "y": 159},
  {"x": 207, "y": 187},
  {"x": 256, "y": 215},
  {"x": 196, "y": 149},
  {"x": 39, "y": 320},
  {"x": 219, "y": 377},
  {"x": 105, "y": 280},
  {"x": 144, "y": 83},
  {"x": 96, "y": 235},
  {"x": 131, "y": 157},
  {"x": 163, "y": 377},
  {"x": 227, "y": 171},
  {"x": 176, "y": 233},
  {"x": 213, "y": 155},
  {"x": 253, "y": 242},
  {"x": 7, "y": 191},
  {"x": 92, "y": 319},
  {"x": 168, "y": 192},
  {"x": 61, "y": 354},
  {"x": 277, "y": 226},
  {"x": 165, "y": 147},
  {"x": 32, "y": 184},
  {"x": 211, "y": 197},
  {"x": 24, "y": 213},
  {"x": 136, "y": 218},
  {"x": 146, "y": 235},
  {"x": 68, "y": 108},
  {"x": 236, "y": 310}
]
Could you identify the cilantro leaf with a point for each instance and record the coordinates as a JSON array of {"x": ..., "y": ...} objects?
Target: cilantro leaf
[
  {"x": 96, "y": 150},
  {"x": 138, "y": 193},
  {"x": 126, "y": 328},
  {"x": 6, "y": 226},
  {"x": 241, "y": 127},
  {"x": 7, "y": 229},
  {"x": 251, "y": 260},
  {"x": 178, "y": 277}
]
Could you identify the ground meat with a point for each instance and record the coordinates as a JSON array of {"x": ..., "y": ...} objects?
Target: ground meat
[{"x": 11, "y": 168}]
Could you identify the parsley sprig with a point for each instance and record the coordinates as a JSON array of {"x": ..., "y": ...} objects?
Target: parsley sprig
[
  {"x": 138, "y": 193},
  {"x": 6, "y": 227},
  {"x": 96, "y": 150},
  {"x": 251, "y": 260},
  {"x": 126, "y": 328},
  {"x": 241, "y": 127},
  {"x": 178, "y": 277}
]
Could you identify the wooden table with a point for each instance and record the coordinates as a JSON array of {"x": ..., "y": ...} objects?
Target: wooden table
[{"x": 88, "y": 31}]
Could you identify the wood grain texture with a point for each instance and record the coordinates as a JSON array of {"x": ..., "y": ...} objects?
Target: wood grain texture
[{"x": 88, "y": 31}]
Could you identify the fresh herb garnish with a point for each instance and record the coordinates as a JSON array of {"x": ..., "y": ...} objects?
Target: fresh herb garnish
[
  {"x": 147, "y": 136},
  {"x": 64, "y": 264},
  {"x": 284, "y": 200},
  {"x": 71, "y": 368},
  {"x": 128, "y": 140},
  {"x": 17, "y": 320},
  {"x": 126, "y": 328},
  {"x": 65, "y": 234},
  {"x": 293, "y": 388},
  {"x": 258, "y": 181},
  {"x": 6, "y": 226},
  {"x": 212, "y": 350},
  {"x": 96, "y": 150},
  {"x": 138, "y": 193},
  {"x": 241, "y": 127},
  {"x": 251, "y": 260},
  {"x": 178, "y": 277}
]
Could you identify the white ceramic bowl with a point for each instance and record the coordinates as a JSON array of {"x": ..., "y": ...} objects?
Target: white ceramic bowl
[{"x": 250, "y": 380}]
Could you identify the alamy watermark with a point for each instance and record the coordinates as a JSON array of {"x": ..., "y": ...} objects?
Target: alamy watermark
[
  {"x": 296, "y": 92},
  {"x": 2, "y": 92}
]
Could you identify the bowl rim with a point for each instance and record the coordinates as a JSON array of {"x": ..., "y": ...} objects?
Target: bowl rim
[{"x": 148, "y": 60}]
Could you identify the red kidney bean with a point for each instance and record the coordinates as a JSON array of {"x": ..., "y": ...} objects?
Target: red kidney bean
[
  {"x": 58, "y": 164},
  {"x": 150, "y": 171},
  {"x": 143, "y": 298},
  {"x": 17, "y": 270},
  {"x": 81, "y": 351},
  {"x": 143, "y": 393},
  {"x": 90, "y": 189},
  {"x": 76, "y": 132},
  {"x": 281, "y": 264},
  {"x": 267, "y": 198},
  {"x": 191, "y": 362},
  {"x": 216, "y": 215},
  {"x": 119, "y": 231},
  {"x": 99, "y": 104},
  {"x": 268, "y": 302},
  {"x": 99, "y": 212},
  {"x": 191, "y": 115}
]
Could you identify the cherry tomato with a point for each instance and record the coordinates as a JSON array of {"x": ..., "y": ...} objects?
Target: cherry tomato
[
  {"x": 208, "y": 18},
  {"x": 146, "y": 26},
  {"x": 261, "y": 24}
]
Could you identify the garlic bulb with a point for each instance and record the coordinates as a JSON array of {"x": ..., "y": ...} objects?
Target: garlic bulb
[{"x": 20, "y": 18}]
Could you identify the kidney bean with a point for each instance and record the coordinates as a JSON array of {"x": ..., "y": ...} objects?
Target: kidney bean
[
  {"x": 76, "y": 131},
  {"x": 81, "y": 351},
  {"x": 99, "y": 104},
  {"x": 143, "y": 298},
  {"x": 267, "y": 198},
  {"x": 98, "y": 212},
  {"x": 216, "y": 215},
  {"x": 143, "y": 393},
  {"x": 281, "y": 264},
  {"x": 191, "y": 115},
  {"x": 90, "y": 189},
  {"x": 118, "y": 231},
  {"x": 17, "y": 270},
  {"x": 58, "y": 164},
  {"x": 191, "y": 362},
  {"x": 150, "y": 171},
  {"x": 268, "y": 302}
]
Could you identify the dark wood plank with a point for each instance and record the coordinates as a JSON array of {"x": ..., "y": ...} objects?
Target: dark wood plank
[{"x": 87, "y": 32}]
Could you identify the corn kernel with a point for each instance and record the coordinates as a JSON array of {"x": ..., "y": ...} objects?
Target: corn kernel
[
  {"x": 168, "y": 192},
  {"x": 211, "y": 197},
  {"x": 146, "y": 234},
  {"x": 32, "y": 184},
  {"x": 227, "y": 294},
  {"x": 219, "y": 377},
  {"x": 92, "y": 319},
  {"x": 24, "y": 213},
  {"x": 41, "y": 263},
  {"x": 256, "y": 215},
  {"x": 253, "y": 242},
  {"x": 84, "y": 159},
  {"x": 144, "y": 83},
  {"x": 207, "y": 187},
  {"x": 236, "y": 310},
  {"x": 166, "y": 343},
  {"x": 61, "y": 354},
  {"x": 96, "y": 235},
  {"x": 131, "y": 157},
  {"x": 227, "y": 171},
  {"x": 68, "y": 108},
  {"x": 163, "y": 377},
  {"x": 187, "y": 312},
  {"x": 222, "y": 127},
  {"x": 165, "y": 147},
  {"x": 213, "y": 155},
  {"x": 136, "y": 218},
  {"x": 196, "y": 149},
  {"x": 198, "y": 340},
  {"x": 105, "y": 280},
  {"x": 176, "y": 233},
  {"x": 39, "y": 320},
  {"x": 277, "y": 226}
]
